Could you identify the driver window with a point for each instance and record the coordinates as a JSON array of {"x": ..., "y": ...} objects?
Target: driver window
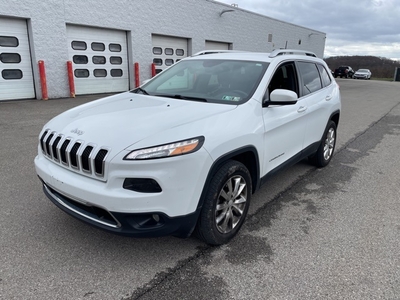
[{"x": 284, "y": 78}]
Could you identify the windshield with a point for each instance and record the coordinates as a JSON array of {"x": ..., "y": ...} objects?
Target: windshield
[
  {"x": 363, "y": 70},
  {"x": 208, "y": 80}
]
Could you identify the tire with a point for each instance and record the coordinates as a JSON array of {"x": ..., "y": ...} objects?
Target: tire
[
  {"x": 326, "y": 148},
  {"x": 226, "y": 204}
]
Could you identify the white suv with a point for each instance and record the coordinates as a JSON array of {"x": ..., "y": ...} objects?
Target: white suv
[{"x": 185, "y": 151}]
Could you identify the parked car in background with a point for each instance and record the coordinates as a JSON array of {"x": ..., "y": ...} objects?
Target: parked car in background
[
  {"x": 344, "y": 71},
  {"x": 362, "y": 74},
  {"x": 185, "y": 151}
]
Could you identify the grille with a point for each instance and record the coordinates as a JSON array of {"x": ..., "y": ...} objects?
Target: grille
[{"x": 76, "y": 155}]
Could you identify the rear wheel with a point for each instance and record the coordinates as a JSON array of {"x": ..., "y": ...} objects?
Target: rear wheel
[
  {"x": 226, "y": 204},
  {"x": 326, "y": 148}
]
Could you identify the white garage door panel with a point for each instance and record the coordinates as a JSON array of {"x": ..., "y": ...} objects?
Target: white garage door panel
[
  {"x": 16, "y": 79},
  {"x": 100, "y": 59},
  {"x": 168, "y": 50},
  {"x": 212, "y": 45}
]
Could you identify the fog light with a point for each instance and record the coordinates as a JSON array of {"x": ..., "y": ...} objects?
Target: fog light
[
  {"x": 142, "y": 185},
  {"x": 156, "y": 218}
]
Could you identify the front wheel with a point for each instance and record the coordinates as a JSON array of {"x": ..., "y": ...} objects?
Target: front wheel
[
  {"x": 226, "y": 204},
  {"x": 325, "y": 150}
]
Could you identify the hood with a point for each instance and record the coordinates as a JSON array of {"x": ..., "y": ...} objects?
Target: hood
[{"x": 127, "y": 118}]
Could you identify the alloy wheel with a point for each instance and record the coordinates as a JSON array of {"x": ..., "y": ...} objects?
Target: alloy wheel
[
  {"x": 231, "y": 204},
  {"x": 329, "y": 143}
]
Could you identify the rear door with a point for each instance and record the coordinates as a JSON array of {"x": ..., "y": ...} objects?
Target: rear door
[{"x": 316, "y": 89}]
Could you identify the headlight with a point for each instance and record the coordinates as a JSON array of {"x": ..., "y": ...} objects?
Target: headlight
[{"x": 167, "y": 150}]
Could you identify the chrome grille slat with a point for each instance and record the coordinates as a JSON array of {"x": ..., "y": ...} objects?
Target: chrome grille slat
[
  {"x": 85, "y": 159},
  {"x": 48, "y": 149},
  {"x": 75, "y": 155},
  {"x": 63, "y": 151},
  {"x": 55, "y": 149},
  {"x": 99, "y": 161},
  {"x": 42, "y": 145}
]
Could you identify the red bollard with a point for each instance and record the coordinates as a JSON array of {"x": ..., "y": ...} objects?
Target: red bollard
[
  {"x": 71, "y": 79},
  {"x": 153, "y": 70},
  {"x": 137, "y": 78},
  {"x": 43, "y": 82}
]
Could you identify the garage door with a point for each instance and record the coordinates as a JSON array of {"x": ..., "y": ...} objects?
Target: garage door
[
  {"x": 100, "y": 59},
  {"x": 16, "y": 79},
  {"x": 212, "y": 45},
  {"x": 167, "y": 50}
]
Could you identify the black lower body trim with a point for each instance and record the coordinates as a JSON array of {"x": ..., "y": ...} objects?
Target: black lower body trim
[{"x": 151, "y": 224}]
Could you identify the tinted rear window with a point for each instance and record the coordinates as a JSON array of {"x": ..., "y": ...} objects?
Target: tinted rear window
[{"x": 311, "y": 79}]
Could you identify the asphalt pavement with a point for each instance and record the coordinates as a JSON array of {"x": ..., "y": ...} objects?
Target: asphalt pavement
[{"x": 329, "y": 233}]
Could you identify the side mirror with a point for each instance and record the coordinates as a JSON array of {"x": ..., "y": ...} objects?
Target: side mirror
[{"x": 281, "y": 97}]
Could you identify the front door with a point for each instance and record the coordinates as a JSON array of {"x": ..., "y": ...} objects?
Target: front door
[{"x": 284, "y": 125}]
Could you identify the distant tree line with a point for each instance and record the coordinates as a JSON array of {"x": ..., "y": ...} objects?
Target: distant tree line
[{"x": 379, "y": 66}]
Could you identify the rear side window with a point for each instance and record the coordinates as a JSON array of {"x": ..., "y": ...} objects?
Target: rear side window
[
  {"x": 310, "y": 75},
  {"x": 326, "y": 79}
]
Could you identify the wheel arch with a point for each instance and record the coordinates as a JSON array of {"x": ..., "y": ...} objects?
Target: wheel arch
[
  {"x": 335, "y": 116},
  {"x": 247, "y": 155}
]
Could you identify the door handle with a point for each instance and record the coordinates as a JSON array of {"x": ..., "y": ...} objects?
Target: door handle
[
  {"x": 302, "y": 108},
  {"x": 329, "y": 97}
]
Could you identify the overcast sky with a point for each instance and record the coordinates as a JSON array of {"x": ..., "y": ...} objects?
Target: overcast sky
[{"x": 352, "y": 27}]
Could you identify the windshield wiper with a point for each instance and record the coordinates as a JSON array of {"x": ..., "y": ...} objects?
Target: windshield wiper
[
  {"x": 183, "y": 97},
  {"x": 140, "y": 90}
]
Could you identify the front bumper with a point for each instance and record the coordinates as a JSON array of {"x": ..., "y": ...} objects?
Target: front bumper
[
  {"x": 110, "y": 206},
  {"x": 151, "y": 224}
]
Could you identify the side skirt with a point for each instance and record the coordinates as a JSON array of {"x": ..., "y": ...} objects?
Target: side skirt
[{"x": 309, "y": 151}]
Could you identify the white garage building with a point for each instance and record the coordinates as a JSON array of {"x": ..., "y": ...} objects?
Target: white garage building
[{"x": 104, "y": 40}]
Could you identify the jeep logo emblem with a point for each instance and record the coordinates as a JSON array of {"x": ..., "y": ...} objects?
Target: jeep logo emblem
[{"x": 77, "y": 131}]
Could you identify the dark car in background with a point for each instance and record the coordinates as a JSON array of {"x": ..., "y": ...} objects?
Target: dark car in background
[{"x": 344, "y": 71}]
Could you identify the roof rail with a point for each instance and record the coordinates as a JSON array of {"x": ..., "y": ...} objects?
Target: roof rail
[
  {"x": 290, "y": 51},
  {"x": 215, "y": 51}
]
